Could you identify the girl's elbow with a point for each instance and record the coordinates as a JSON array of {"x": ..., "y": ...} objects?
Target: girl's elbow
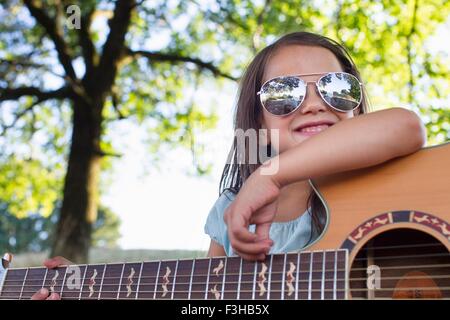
[{"x": 416, "y": 132}]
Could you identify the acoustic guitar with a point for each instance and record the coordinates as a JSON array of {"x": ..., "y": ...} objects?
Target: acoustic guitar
[{"x": 387, "y": 236}]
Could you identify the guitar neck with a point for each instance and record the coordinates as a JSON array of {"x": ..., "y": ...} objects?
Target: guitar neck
[{"x": 305, "y": 275}]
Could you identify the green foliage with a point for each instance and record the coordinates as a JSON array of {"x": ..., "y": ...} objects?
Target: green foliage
[{"x": 34, "y": 233}]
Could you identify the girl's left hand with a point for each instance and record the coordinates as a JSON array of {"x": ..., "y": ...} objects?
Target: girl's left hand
[{"x": 256, "y": 203}]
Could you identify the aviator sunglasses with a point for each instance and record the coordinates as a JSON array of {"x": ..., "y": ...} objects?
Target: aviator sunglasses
[{"x": 283, "y": 95}]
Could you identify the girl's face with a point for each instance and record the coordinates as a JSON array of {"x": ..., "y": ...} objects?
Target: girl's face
[{"x": 299, "y": 59}]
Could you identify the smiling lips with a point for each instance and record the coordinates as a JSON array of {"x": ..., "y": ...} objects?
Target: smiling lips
[{"x": 311, "y": 130}]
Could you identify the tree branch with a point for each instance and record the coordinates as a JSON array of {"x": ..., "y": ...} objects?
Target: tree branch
[
  {"x": 113, "y": 48},
  {"x": 40, "y": 96},
  {"x": 26, "y": 64},
  {"x": 157, "y": 56},
  {"x": 87, "y": 46},
  {"x": 16, "y": 93},
  {"x": 17, "y": 117},
  {"x": 51, "y": 28}
]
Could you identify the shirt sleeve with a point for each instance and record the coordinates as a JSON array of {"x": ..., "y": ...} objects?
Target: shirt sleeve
[{"x": 215, "y": 226}]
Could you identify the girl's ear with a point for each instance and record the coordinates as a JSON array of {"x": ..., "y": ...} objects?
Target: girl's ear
[{"x": 357, "y": 111}]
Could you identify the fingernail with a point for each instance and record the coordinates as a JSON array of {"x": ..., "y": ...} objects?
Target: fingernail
[{"x": 43, "y": 291}]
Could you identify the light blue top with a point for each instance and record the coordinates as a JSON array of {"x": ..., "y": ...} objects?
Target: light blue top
[{"x": 287, "y": 236}]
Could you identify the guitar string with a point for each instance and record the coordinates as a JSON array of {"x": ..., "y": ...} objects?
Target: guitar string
[
  {"x": 319, "y": 279},
  {"x": 353, "y": 298},
  {"x": 202, "y": 292},
  {"x": 243, "y": 274},
  {"x": 319, "y": 261},
  {"x": 228, "y": 283}
]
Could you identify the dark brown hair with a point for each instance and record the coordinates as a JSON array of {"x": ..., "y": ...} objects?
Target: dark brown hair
[{"x": 248, "y": 114}]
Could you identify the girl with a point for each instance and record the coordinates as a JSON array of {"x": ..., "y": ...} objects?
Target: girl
[
  {"x": 307, "y": 88},
  {"x": 302, "y": 85}
]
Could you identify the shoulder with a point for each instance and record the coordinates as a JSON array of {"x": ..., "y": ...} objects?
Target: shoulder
[
  {"x": 215, "y": 226},
  {"x": 225, "y": 199},
  {"x": 222, "y": 203}
]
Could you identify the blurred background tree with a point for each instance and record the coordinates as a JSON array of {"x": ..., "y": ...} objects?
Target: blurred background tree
[
  {"x": 35, "y": 233},
  {"x": 62, "y": 89}
]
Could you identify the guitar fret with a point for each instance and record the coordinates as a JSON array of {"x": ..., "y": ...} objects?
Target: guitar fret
[
  {"x": 53, "y": 279},
  {"x": 200, "y": 278},
  {"x": 247, "y": 279},
  {"x": 223, "y": 278},
  {"x": 147, "y": 284},
  {"x": 254, "y": 279},
  {"x": 156, "y": 281},
  {"x": 33, "y": 282},
  {"x": 261, "y": 284},
  {"x": 90, "y": 283},
  {"x": 335, "y": 275},
  {"x": 346, "y": 273},
  {"x": 276, "y": 277},
  {"x": 270, "y": 278},
  {"x": 174, "y": 280},
  {"x": 328, "y": 274},
  {"x": 303, "y": 276},
  {"x": 165, "y": 282},
  {"x": 62, "y": 284},
  {"x": 12, "y": 282},
  {"x": 23, "y": 284},
  {"x": 215, "y": 278},
  {"x": 182, "y": 281},
  {"x": 232, "y": 278},
  {"x": 322, "y": 296},
  {"x": 341, "y": 274},
  {"x": 297, "y": 276},
  {"x": 45, "y": 276},
  {"x": 120, "y": 283},
  {"x": 240, "y": 276},
  {"x": 129, "y": 283},
  {"x": 290, "y": 276},
  {"x": 139, "y": 280},
  {"x": 310, "y": 276},
  {"x": 101, "y": 283},
  {"x": 283, "y": 277},
  {"x": 190, "y": 281},
  {"x": 207, "y": 279},
  {"x": 317, "y": 275},
  {"x": 82, "y": 281}
]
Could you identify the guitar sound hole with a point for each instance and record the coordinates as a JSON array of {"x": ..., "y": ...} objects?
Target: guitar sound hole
[{"x": 401, "y": 264}]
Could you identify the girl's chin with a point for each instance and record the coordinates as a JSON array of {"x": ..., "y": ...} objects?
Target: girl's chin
[{"x": 300, "y": 137}]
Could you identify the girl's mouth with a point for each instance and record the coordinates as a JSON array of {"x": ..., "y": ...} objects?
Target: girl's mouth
[{"x": 312, "y": 130}]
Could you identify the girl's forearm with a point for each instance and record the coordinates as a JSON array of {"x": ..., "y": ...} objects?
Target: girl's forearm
[{"x": 358, "y": 142}]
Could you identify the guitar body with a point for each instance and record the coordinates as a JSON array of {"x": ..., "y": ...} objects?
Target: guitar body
[{"x": 395, "y": 216}]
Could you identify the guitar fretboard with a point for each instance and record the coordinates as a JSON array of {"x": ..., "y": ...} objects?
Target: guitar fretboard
[{"x": 305, "y": 275}]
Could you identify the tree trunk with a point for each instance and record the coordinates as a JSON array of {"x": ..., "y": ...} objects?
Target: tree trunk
[{"x": 79, "y": 208}]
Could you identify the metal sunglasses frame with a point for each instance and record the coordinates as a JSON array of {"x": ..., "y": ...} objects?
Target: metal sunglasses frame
[{"x": 316, "y": 85}]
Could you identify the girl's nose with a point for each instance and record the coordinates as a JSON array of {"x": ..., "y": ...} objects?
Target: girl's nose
[{"x": 313, "y": 101}]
